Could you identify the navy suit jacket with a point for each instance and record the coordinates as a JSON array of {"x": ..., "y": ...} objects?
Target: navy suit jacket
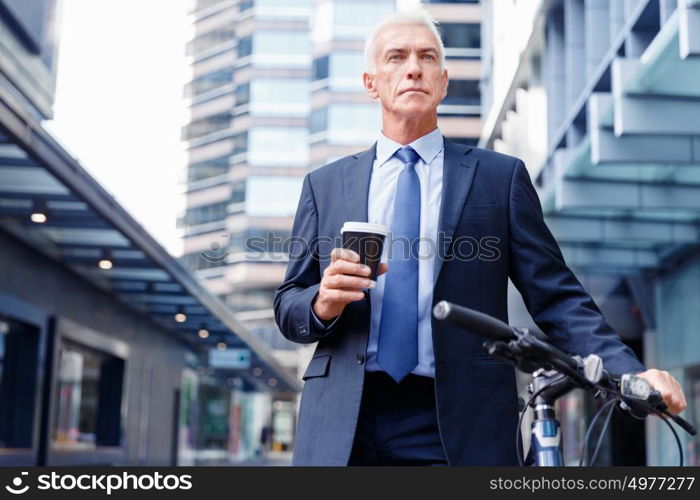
[{"x": 485, "y": 195}]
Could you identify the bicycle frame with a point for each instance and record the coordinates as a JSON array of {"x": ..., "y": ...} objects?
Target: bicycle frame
[{"x": 545, "y": 434}]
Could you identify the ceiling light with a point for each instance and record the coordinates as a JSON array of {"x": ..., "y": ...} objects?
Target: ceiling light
[
  {"x": 105, "y": 264},
  {"x": 38, "y": 217}
]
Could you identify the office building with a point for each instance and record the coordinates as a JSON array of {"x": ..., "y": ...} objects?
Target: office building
[{"x": 110, "y": 351}]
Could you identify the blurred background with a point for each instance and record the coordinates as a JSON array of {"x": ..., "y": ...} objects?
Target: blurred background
[{"x": 146, "y": 145}]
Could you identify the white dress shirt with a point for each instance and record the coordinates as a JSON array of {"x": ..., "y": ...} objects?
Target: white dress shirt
[{"x": 380, "y": 208}]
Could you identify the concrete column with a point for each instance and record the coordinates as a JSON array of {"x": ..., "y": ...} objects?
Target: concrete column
[
  {"x": 617, "y": 19},
  {"x": 574, "y": 50},
  {"x": 666, "y": 8},
  {"x": 554, "y": 71},
  {"x": 597, "y": 25}
]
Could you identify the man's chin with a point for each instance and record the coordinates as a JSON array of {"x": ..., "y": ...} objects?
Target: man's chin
[{"x": 414, "y": 111}]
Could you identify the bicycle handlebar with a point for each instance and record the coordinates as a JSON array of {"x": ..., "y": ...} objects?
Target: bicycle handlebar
[{"x": 638, "y": 394}]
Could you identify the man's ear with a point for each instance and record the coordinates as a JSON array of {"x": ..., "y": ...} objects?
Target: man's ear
[
  {"x": 446, "y": 80},
  {"x": 368, "y": 82}
]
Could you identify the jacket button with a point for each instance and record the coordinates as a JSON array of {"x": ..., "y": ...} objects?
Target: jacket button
[{"x": 360, "y": 359}]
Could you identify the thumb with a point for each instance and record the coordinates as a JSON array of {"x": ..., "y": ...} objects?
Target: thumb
[{"x": 383, "y": 267}]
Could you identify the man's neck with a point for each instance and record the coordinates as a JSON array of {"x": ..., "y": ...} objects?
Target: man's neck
[{"x": 406, "y": 130}]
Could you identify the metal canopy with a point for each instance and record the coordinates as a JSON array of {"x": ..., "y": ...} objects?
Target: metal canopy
[
  {"x": 84, "y": 225},
  {"x": 627, "y": 196}
]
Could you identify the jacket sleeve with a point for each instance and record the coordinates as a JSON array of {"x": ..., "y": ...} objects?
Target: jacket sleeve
[
  {"x": 555, "y": 298},
  {"x": 293, "y": 298}
]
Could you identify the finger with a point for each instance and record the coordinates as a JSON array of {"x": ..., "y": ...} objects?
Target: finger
[
  {"x": 383, "y": 267},
  {"x": 681, "y": 395},
  {"x": 345, "y": 281},
  {"x": 344, "y": 253},
  {"x": 344, "y": 296},
  {"x": 673, "y": 395},
  {"x": 345, "y": 267}
]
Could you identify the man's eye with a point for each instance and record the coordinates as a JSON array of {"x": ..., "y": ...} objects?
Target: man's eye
[
  {"x": 395, "y": 56},
  {"x": 430, "y": 56}
]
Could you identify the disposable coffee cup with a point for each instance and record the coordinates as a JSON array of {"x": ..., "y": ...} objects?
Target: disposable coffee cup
[{"x": 367, "y": 240}]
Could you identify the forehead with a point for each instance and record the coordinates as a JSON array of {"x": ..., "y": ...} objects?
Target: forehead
[{"x": 398, "y": 36}]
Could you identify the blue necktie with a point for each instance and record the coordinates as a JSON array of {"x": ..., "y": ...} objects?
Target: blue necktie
[{"x": 397, "y": 351}]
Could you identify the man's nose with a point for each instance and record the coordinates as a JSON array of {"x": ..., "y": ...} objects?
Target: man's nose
[{"x": 414, "y": 69}]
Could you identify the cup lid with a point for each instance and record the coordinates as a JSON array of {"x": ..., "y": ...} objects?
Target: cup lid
[{"x": 364, "y": 227}]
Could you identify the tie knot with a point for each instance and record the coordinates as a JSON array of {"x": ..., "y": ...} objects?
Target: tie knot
[{"x": 407, "y": 155}]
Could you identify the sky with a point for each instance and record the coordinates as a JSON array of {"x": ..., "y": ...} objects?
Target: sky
[
  {"x": 119, "y": 102},
  {"x": 119, "y": 107}
]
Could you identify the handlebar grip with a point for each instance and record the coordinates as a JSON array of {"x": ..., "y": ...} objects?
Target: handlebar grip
[{"x": 479, "y": 323}]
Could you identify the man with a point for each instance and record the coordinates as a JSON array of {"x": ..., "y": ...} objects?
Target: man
[{"x": 388, "y": 384}]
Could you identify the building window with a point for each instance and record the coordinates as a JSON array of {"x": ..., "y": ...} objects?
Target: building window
[
  {"x": 254, "y": 241},
  {"x": 210, "y": 81},
  {"x": 243, "y": 94},
  {"x": 88, "y": 399},
  {"x": 251, "y": 300},
  {"x": 240, "y": 143},
  {"x": 245, "y": 47},
  {"x": 353, "y": 19},
  {"x": 205, "y": 4},
  {"x": 346, "y": 71},
  {"x": 353, "y": 124},
  {"x": 279, "y": 97},
  {"x": 319, "y": 68},
  {"x": 318, "y": 120},
  {"x": 278, "y": 146},
  {"x": 463, "y": 92},
  {"x": 206, "y": 213},
  {"x": 19, "y": 357},
  {"x": 206, "y": 126},
  {"x": 258, "y": 201},
  {"x": 461, "y": 35},
  {"x": 205, "y": 170},
  {"x": 207, "y": 259},
  {"x": 281, "y": 48},
  {"x": 211, "y": 39}
]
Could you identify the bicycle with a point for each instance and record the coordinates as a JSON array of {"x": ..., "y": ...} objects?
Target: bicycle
[{"x": 556, "y": 373}]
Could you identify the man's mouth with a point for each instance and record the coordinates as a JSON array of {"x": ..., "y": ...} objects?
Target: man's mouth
[{"x": 413, "y": 90}]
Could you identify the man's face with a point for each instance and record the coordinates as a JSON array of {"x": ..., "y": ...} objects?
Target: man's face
[{"x": 407, "y": 79}]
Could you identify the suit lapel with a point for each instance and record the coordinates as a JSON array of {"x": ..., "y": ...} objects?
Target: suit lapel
[
  {"x": 356, "y": 176},
  {"x": 458, "y": 173}
]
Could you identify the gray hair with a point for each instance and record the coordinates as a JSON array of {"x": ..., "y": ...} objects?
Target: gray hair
[{"x": 412, "y": 17}]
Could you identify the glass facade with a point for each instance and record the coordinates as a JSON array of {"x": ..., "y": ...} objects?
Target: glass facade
[
  {"x": 353, "y": 124},
  {"x": 88, "y": 398},
  {"x": 278, "y": 146},
  {"x": 461, "y": 35},
  {"x": 462, "y": 92},
  {"x": 279, "y": 97},
  {"x": 258, "y": 201},
  {"x": 209, "y": 82},
  {"x": 266, "y": 50}
]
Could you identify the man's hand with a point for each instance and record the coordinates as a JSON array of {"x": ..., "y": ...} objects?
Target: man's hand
[
  {"x": 342, "y": 283},
  {"x": 669, "y": 388}
]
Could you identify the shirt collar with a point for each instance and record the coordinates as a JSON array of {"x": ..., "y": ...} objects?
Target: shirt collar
[{"x": 427, "y": 147}]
